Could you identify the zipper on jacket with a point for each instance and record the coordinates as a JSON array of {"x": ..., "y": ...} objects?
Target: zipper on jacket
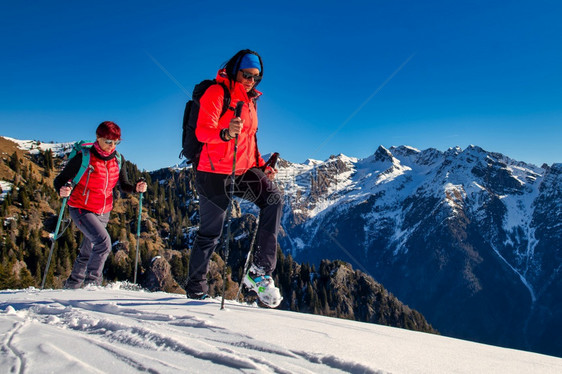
[
  {"x": 87, "y": 197},
  {"x": 105, "y": 187},
  {"x": 90, "y": 171},
  {"x": 208, "y": 155}
]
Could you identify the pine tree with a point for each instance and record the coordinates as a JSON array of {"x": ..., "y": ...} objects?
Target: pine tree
[
  {"x": 49, "y": 160},
  {"x": 34, "y": 251},
  {"x": 4, "y": 208},
  {"x": 24, "y": 199},
  {"x": 14, "y": 162},
  {"x": 7, "y": 279},
  {"x": 25, "y": 279}
]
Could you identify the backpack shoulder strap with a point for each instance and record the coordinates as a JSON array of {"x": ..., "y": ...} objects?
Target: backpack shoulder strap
[
  {"x": 226, "y": 100},
  {"x": 119, "y": 159},
  {"x": 83, "y": 166}
]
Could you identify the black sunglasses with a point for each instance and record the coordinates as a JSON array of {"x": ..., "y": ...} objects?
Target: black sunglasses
[{"x": 249, "y": 76}]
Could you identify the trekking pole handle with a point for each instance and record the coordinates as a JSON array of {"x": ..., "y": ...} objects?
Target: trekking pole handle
[
  {"x": 140, "y": 180},
  {"x": 68, "y": 184},
  {"x": 238, "y": 109},
  {"x": 272, "y": 160}
]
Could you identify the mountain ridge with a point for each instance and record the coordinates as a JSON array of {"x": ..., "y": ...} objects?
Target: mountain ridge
[{"x": 470, "y": 219}]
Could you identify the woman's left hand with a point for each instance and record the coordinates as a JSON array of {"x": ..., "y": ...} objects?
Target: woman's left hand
[
  {"x": 141, "y": 186},
  {"x": 270, "y": 172}
]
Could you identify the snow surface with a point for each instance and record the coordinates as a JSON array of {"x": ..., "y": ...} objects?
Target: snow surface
[{"x": 119, "y": 330}]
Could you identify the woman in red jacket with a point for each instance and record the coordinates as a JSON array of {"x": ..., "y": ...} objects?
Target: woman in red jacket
[
  {"x": 91, "y": 201},
  {"x": 253, "y": 182}
]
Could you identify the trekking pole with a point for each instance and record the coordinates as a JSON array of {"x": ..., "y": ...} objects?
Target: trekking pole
[
  {"x": 54, "y": 238},
  {"x": 138, "y": 235},
  {"x": 271, "y": 162},
  {"x": 237, "y": 113}
]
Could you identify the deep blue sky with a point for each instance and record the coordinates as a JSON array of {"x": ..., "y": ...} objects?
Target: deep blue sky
[{"x": 340, "y": 76}]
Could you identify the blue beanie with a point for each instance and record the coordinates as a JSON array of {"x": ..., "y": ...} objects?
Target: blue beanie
[{"x": 250, "y": 60}]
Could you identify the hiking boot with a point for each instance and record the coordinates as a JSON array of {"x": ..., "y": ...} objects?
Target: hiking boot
[
  {"x": 72, "y": 285},
  {"x": 197, "y": 295}
]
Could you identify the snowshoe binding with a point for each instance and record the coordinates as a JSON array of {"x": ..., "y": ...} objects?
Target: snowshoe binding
[{"x": 264, "y": 286}]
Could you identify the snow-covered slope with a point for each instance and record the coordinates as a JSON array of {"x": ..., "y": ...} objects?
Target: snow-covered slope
[
  {"x": 34, "y": 146},
  {"x": 113, "y": 330}
]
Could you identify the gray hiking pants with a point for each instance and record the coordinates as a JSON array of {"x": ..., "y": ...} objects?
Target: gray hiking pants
[
  {"x": 214, "y": 190},
  {"x": 94, "y": 249}
]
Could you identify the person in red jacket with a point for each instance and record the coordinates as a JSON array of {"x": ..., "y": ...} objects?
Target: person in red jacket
[
  {"x": 253, "y": 180},
  {"x": 91, "y": 201}
]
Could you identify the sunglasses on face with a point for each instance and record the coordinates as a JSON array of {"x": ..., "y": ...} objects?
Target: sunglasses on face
[
  {"x": 249, "y": 76},
  {"x": 110, "y": 142}
]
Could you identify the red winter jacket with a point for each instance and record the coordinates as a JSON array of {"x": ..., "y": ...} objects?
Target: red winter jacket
[
  {"x": 217, "y": 155},
  {"x": 94, "y": 191}
]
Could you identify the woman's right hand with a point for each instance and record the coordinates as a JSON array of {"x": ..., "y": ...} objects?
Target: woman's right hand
[
  {"x": 65, "y": 191},
  {"x": 235, "y": 127}
]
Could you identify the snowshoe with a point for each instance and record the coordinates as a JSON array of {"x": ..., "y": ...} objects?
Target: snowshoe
[{"x": 264, "y": 287}]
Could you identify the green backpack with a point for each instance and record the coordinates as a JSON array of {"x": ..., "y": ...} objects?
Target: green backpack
[{"x": 84, "y": 147}]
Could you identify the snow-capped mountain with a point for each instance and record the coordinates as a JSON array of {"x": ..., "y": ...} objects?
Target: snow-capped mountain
[{"x": 469, "y": 238}]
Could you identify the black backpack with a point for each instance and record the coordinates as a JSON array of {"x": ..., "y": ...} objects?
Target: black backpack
[{"x": 191, "y": 146}]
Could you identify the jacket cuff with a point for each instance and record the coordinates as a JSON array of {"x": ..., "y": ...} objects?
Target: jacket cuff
[{"x": 225, "y": 135}]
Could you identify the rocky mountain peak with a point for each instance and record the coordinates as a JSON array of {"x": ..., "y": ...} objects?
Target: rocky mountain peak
[
  {"x": 383, "y": 155},
  {"x": 425, "y": 223}
]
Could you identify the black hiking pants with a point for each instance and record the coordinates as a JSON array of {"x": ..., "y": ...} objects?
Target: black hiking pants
[{"x": 214, "y": 192}]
